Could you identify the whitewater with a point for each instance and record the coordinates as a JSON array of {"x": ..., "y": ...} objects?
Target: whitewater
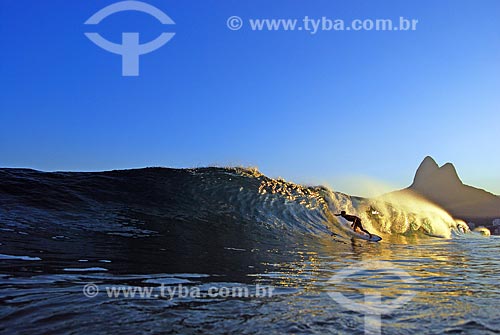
[{"x": 219, "y": 227}]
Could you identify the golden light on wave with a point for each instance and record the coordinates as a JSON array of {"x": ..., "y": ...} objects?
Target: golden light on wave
[
  {"x": 409, "y": 211},
  {"x": 401, "y": 212}
]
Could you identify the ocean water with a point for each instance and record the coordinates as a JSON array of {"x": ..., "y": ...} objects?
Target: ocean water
[{"x": 69, "y": 239}]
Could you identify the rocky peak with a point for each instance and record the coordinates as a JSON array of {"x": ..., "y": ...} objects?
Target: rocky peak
[
  {"x": 429, "y": 173},
  {"x": 427, "y": 168}
]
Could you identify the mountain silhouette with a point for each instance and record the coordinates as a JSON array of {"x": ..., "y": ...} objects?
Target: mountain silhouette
[{"x": 442, "y": 186}]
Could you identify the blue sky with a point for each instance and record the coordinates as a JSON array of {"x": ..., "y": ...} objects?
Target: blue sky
[{"x": 334, "y": 107}]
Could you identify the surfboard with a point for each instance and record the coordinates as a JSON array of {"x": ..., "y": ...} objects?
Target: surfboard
[{"x": 346, "y": 225}]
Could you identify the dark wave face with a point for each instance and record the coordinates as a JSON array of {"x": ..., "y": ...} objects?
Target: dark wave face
[
  {"x": 145, "y": 216},
  {"x": 206, "y": 226},
  {"x": 187, "y": 216}
]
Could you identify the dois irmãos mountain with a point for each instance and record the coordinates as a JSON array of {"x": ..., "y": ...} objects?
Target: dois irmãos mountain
[{"x": 442, "y": 186}]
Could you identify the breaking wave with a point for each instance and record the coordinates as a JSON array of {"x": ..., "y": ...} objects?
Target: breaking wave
[{"x": 207, "y": 203}]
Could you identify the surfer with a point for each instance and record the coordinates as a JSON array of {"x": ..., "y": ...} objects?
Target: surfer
[{"x": 356, "y": 222}]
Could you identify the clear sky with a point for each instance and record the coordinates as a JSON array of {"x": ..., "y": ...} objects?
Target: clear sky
[{"x": 335, "y": 107}]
